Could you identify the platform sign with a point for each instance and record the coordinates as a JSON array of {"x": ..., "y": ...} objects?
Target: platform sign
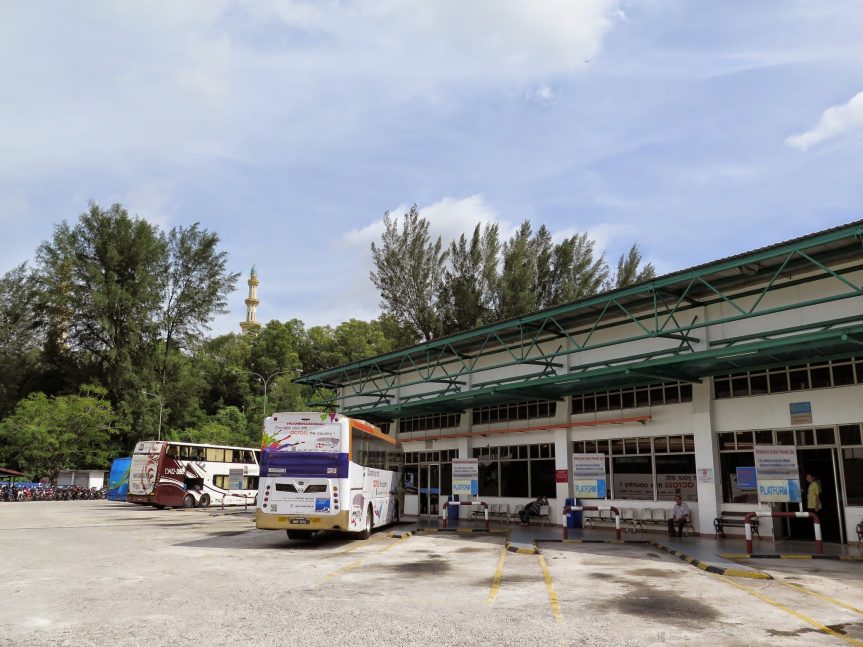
[
  {"x": 588, "y": 476},
  {"x": 465, "y": 476},
  {"x": 777, "y": 474}
]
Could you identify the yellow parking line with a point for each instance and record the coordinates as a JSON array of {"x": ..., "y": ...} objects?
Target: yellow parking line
[
  {"x": 339, "y": 571},
  {"x": 827, "y": 598},
  {"x": 359, "y": 544},
  {"x": 827, "y": 630},
  {"x": 549, "y": 585},
  {"x": 495, "y": 582},
  {"x": 394, "y": 544}
]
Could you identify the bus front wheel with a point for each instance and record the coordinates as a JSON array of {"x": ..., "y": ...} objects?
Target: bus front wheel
[
  {"x": 188, "y": 501},
  {"x": 205, "y": 500}
]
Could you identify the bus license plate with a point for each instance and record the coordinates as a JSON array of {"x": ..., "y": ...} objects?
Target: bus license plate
[{"x": 300, "y": 522}]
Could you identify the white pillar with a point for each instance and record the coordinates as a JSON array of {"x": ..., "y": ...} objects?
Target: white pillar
[
  {"x": 706, "y": 455},
  {"x": 562, "y": 461}
]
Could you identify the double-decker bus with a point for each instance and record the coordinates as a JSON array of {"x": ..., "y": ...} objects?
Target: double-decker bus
[
  {"x": 325, "y": 471},
  {"x": 175, "y": 474}
]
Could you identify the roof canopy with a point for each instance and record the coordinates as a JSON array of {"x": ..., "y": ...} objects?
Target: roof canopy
[{"x": 669, "y": 308}]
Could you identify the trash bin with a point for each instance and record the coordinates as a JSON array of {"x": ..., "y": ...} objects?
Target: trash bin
[
  {"x": 574, "y": 518},
  {"x": 452, "y": 512}
]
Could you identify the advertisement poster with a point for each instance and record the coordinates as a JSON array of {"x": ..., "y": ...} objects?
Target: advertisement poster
[
  {"x": 465, "y": 476},
  {"x": 588, "y": 476},
  {"x": 777, "y": 474}
]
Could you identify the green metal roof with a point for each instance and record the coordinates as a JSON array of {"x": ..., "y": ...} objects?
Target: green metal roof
[{"x": 667, "y": 307}]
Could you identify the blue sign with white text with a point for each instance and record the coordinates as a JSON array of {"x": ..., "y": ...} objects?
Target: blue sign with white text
[{"x": 746, "y": 478}]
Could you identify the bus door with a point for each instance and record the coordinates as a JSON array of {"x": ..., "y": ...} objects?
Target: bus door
[{"x": 429, "y": 490}]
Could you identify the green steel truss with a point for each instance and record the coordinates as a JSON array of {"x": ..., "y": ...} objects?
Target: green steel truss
[{"x": 457, "y": 372}]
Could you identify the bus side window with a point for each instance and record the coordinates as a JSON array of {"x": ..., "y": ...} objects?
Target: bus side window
[
  {"x": 249, "y": 457},
  {"x": 196, "y": 453},
  {"x": 251, "y": 483},
  {"x": 215, "y": 455},
  {"x": 173, "y": 451}
]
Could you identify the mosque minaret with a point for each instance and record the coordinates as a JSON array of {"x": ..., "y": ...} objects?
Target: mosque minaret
[{"x": 251, "y": 304}]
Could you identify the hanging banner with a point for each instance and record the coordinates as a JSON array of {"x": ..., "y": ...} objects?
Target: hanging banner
[
  {"x": 777, "y": 474},
  {"x": 465, "y": 476},
  {"x": 588, "y": 476}
]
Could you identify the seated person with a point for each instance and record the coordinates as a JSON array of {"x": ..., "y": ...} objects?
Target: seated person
[
  {"x": 679, "y": 517},
  {"x": 532, "y": 509}
]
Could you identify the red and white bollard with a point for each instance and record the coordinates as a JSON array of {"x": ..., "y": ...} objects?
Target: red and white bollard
[{"x": 816, "y": 522}]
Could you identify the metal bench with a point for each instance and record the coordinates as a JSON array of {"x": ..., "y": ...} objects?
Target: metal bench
[{"x": 728, "y": 519}]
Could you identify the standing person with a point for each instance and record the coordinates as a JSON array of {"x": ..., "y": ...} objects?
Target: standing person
[
  {"x": 813, "y": 494},
  {"x": 679, "y": 517},
  {"x": 532, "y": 509}
]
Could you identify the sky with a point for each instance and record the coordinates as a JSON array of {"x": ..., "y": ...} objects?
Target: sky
[{"x": 698, "y": 130}]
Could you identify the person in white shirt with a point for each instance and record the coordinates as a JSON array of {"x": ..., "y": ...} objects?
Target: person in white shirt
[{"x": 679, "y": 516}]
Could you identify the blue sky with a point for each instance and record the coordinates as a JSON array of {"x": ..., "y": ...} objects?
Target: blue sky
[{"x": 699, "y": 130}]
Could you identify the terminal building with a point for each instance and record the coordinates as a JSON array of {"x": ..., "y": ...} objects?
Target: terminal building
[{"x": 675, "y": 381}]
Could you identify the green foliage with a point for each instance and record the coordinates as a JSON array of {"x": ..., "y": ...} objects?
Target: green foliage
[
  {"x": 517, "y": 295},
  {"x": 46, "y": 434},
  {"x": 113, "y": 301},
  {"x": 409, "y": 271},
  {"x": 484, "y": 281},
  {"x": 195, "y": 287},
  {"x": 630, "y": 271},
  {"x": 100, "y": 292},
  {"x": 468, "y": 293},
  {"x": 20, "y": 338}
]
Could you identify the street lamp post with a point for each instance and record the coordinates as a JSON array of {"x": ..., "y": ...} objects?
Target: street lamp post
[
  {"x": 157, "y": 395},
  {"x": 266, "y": 380}
]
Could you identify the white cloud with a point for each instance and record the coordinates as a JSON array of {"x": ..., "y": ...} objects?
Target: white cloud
[
  {"x": 152, "y": 201},
  {"x": 542, "y": 94},
  {"x": 126, "y": 83},
  {"x": 834, "y": 122},
  {"x": 448, "y": 218}
]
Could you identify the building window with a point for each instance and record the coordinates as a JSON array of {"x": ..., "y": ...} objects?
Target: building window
[
  {"x": 619, "y": 399},
  {"x": 821, "y": 375},
  {"x": 514, "y": 411},
  {"x": 516, "y": 470},
  {"x": 431, "y": 421},
  {"x": 647, "y": 468}
]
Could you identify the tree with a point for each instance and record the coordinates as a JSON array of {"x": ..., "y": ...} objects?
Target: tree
[
  {"x": 195, "y": 286},
  {"x": 20, "y": 338},
  {"x": 468, "y": 291},
  {"x": 100, "y": 289},
  {"x": 46, "y": 434},
  {"x": 578, "y": 273},
  {"x": 409, "y": 270},
  {"x": 630, "y": 271},
  {"x": 516, "y": 294}
]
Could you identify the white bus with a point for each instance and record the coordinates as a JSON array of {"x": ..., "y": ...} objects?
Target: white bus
[
  {"x": 174, "y": 474},
  {"x": 325, "y": 471}
]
